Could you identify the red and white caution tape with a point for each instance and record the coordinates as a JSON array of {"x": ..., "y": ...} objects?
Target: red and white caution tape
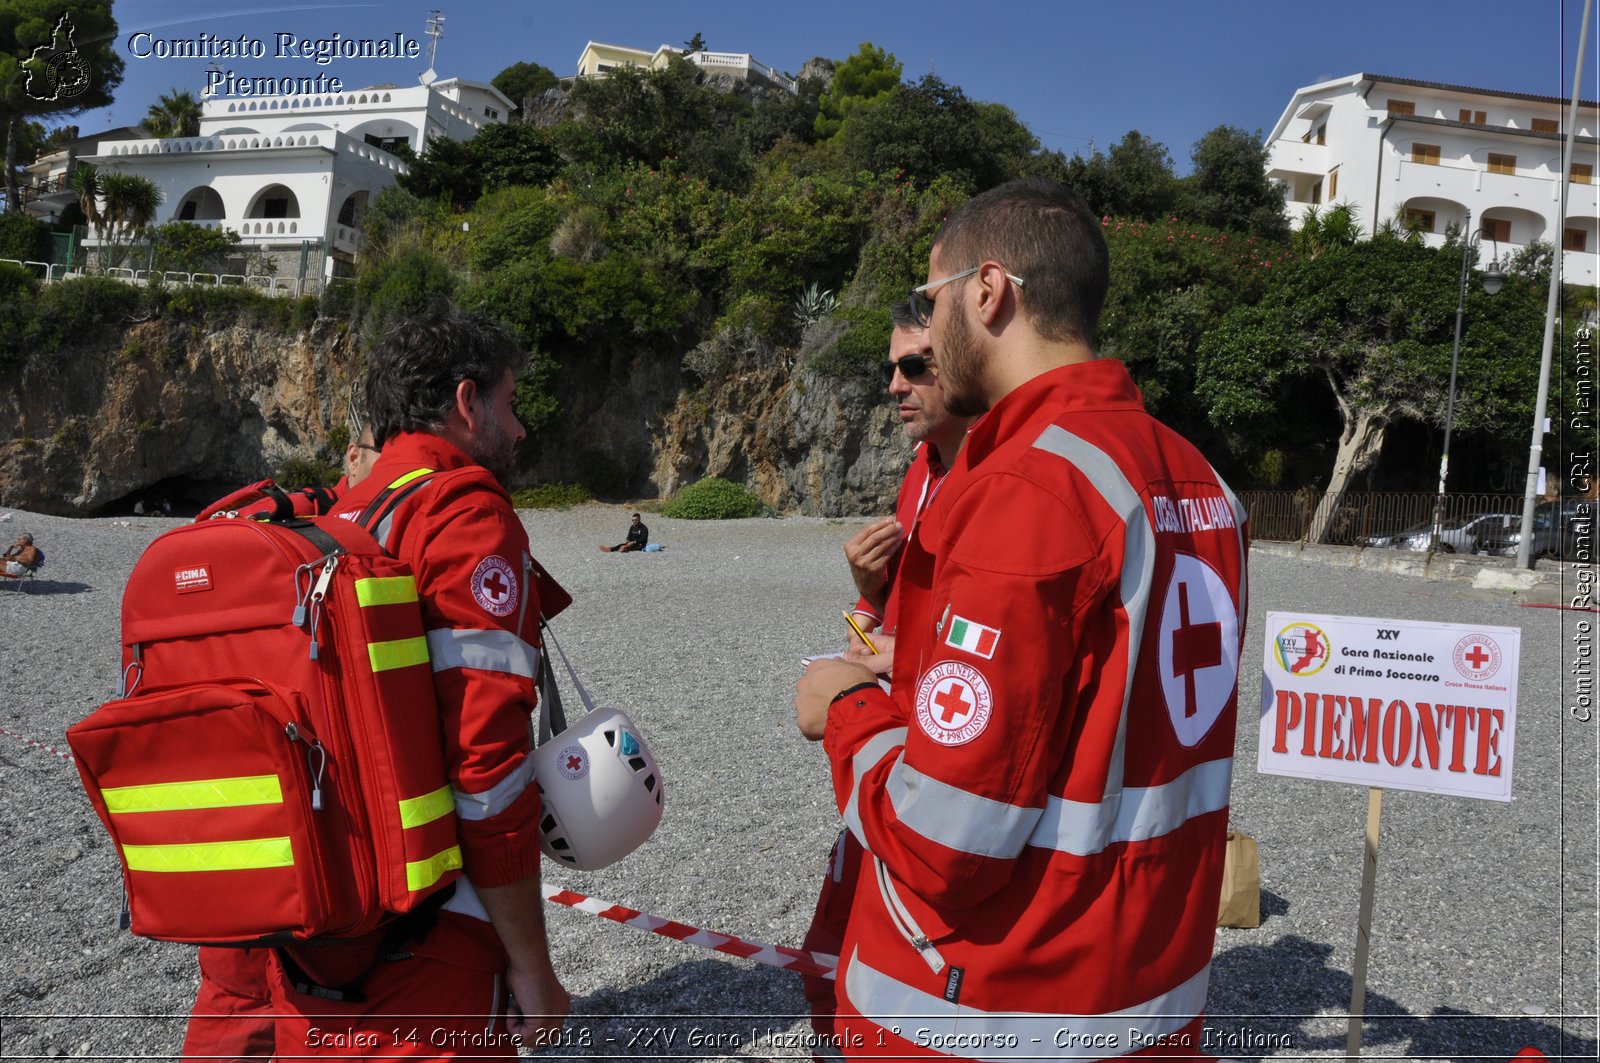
[
  {"x": 780, "y": 956},
  {"x": 37, "y": 745}
]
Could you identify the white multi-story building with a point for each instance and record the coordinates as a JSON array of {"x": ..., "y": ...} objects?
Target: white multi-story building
[
  {"x": 285, "y": 172},
  {"x": 598, "y": 60},
  {"x": 1425, "y": 154}
]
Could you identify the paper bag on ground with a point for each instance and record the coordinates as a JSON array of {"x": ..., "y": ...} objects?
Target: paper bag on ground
[{"x": 1240, "y": 905}]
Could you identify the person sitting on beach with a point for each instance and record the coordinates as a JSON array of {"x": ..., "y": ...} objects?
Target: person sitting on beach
[
  {"x": 638, "y": 538},
  {"x": 21, "y": 557}
]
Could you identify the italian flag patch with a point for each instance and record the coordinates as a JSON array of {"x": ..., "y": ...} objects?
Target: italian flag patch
[{"x": 974, "y": 638}]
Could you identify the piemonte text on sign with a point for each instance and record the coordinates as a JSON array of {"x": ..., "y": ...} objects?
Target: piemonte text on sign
[{"x": 1396, "y": 704}]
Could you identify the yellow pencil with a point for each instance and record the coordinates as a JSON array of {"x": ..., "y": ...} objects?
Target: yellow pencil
[{"x": 862, "y": 635}]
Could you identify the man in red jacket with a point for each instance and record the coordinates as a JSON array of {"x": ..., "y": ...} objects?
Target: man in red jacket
[
  {"x": 440, "y": 390},
  {"x": 912, "y": 379},
  {"x": 1043, "y": 799}
]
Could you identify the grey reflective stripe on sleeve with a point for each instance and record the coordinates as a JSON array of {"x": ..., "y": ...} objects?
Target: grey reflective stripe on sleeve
[
  {"x": 1139, "y": 561},
  {"x": 957, "y": 819},
  {"x": 489, "y": 650},
  {"x": 877, "y": 747},
  {"x": 890, "y": 1003},
  {"x": 1138, "y": 813},
  {"x": 497, "y": 798}
]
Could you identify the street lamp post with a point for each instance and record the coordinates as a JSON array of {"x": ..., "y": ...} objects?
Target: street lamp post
[{"x": 1493, "y": 278}]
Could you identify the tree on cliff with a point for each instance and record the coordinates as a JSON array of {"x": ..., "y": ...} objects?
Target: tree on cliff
[
  {"x": 1374, "y": 322},
  {"x": 931, "y": 128},
  {"x": 1133, "y": 181},
  {"x": 869, "y": 75},
  {"x": 57, "y": 57},
  {"x": 521, "y": 80},
  {"x": 1229, "y": 188}
]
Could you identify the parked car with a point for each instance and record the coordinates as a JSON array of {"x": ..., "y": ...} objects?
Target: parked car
[
  {"x": 1562, "y": 530},
  {"x": 1457, "y": 535}
]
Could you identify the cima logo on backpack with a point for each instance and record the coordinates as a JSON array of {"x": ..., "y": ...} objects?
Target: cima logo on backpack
[{"x": 275, "y": 770}]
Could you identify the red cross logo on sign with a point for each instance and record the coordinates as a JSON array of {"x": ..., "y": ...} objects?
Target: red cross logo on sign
[
  {"x": 495, "y": 587},
  {"x": 953, "y": 703},
  {"x": 1198, "y": 654},
  {"x": 1476, "y": 657}
]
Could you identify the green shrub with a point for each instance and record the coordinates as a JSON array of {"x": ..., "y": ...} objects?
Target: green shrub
[
  {"x": 400, "y": 287},
  {"x": 860, "y": 347},
  {"x": 307, "y": 472},
  {"x": 551, "y": 496},
  {"x": 23, "y": 238},
  {"x": 713, "y": 499}
]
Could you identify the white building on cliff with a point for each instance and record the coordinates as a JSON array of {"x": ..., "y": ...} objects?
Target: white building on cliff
[
  {"x": 1427, "y": 153},
  {"x": 292, "y": 174}
]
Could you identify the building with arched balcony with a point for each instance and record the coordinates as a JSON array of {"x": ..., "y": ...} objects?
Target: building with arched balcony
[
  {"x": 292, "y": 175},
  {"x": 1424, "y": 154}
]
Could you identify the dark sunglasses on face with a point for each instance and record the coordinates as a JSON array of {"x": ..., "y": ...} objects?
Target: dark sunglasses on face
[{"x": 911, "y": 367}]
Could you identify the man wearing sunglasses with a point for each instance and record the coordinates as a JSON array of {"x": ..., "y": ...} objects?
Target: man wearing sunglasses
[
  {"x": 912, "y": 380},
  {"x": 1043, "y": 797}
]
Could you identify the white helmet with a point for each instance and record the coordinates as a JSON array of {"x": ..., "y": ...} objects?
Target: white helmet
[{"x": 601, "y": 791}]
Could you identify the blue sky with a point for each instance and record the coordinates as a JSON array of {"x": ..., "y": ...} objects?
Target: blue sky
[{"x": 1075, "y": 72}]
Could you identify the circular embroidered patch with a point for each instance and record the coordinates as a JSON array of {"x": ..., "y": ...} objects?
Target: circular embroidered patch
[
  {"x": 953, "y": 703},
  {"x": 573, "y": 762},
  {"x": 494, "y": 586},
  {"x": 1476, "y": 657}
]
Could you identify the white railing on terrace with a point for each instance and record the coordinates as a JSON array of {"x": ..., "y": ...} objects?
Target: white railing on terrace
[
  {"x": 450, "y": 108},
  {"x": 269, "y": 104},
  {"x": 231, "y": 142},
  {"x": 51, "y": 273},
  {"x": 350, "y": 145},
  {"x": 744, "y": 62},
  {"x": 258, "y": 230}
]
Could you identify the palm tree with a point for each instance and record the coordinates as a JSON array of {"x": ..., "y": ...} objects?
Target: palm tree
[
  {"x": 174, "y": 114},
  {"x": 86, "y": 182},
  {"x": 130, "y": 205}
]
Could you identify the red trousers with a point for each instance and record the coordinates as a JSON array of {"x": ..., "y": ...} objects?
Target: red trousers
[
  {"x": 232, "y": 1017},
  {"x": 828, "y": 922},
  {"x": 437, "y": 998}
]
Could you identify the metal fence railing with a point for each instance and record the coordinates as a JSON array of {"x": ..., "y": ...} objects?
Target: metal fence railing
[{"x": 1289, "y": 516}]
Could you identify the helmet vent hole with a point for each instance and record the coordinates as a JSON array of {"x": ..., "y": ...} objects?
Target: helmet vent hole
[
  {"x": 638, "y": 763},
  {"x": 611, "y": 738},
  {"x": 650, "y": 783},
  {"x": 559, "y": 843},
  {"x": 547, "y": 824}
]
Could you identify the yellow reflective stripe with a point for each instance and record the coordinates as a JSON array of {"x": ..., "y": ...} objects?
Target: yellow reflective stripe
[
  {"x": 197, "y": 793},
  {"x": 408, "y": 477},
  {"x": 386, "y": 590},
  {"x": 416, "y": 811},
  {"x": 210, "y": 856},
  {"x": 420, "y": 874},
  {"x": 400, "y": 653}
]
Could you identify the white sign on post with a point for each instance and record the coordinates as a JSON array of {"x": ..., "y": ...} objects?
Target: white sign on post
[{"x": 1395, "y": 704}]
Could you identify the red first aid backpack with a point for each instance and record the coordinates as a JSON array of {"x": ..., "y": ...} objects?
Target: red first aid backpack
[{"x": 274, "y": 771}]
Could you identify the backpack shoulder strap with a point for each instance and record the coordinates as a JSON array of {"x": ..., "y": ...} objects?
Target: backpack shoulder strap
[{"x": 378, "y": 516}]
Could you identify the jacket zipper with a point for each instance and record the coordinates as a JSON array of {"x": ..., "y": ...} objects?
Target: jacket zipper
[{"x": 903, "y": 922}]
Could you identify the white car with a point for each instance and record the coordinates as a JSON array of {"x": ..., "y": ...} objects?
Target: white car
[{"x": 1457, "y": 535}]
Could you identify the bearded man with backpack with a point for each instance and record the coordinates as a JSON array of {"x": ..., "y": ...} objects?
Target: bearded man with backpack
[{"x": 440, "y": 389}]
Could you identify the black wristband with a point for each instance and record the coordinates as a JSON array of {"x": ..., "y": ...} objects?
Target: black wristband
[{"x": 847, "y": 691}]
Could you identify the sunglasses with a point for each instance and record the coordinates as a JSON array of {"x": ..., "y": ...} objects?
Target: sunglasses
[
  {"x": 911, "y": 367},
  {"x": 922, "y": 303}
]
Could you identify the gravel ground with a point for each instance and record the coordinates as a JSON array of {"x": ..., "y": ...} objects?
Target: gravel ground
[{"x": 1483, "y": 936}]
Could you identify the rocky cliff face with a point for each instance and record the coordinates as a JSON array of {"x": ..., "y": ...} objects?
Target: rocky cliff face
[
  {"x": 166, "y": 410},
  {"x": 179, "y": 411}
]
